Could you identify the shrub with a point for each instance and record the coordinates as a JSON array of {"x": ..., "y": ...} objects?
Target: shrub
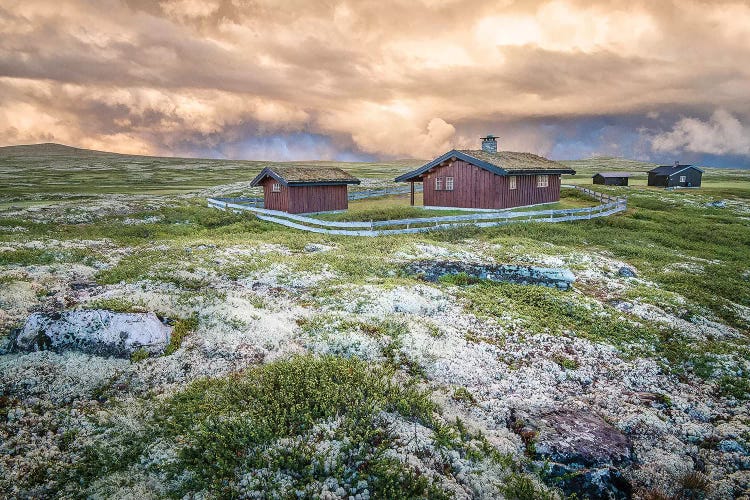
[
  {"x": 182, "y": 328},
  {"x": 230, "y": 424},
  {"x": 139, "y": 355},
  {"x": 463, "y": 394}
]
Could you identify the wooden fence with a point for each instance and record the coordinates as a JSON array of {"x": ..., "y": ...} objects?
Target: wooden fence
[
  {"x": 422, "y": 224},
  {"x": 257, "y": 201}
]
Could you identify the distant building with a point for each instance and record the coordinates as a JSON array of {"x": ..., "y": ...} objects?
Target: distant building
[
  {"x": 304, "y": 189},
  {"x": 612, "y": 178},
  {"x": 675, "y": 176},
  {"x": 487, "y": 178}
]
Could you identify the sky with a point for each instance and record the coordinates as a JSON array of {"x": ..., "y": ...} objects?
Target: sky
[{"x": 658, "y": 80}]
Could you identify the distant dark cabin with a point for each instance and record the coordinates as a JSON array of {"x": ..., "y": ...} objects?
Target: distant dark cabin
[
  {"x": 612, "y": 178},
  {"x": 675, "y": 176},
  {"x": 487, "y": 178},
  {"x": 299, "y": 190}
]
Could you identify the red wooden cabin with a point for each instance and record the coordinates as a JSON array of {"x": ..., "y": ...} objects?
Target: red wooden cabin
[
  {"x": 304, "y": 189},
  {"x": 487, "y": 178}
]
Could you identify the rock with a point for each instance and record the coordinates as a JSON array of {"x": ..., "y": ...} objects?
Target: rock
[
  {"x": 524, "y": 275},
  {"x": 579, "y": 437},
  {"x": 317, "y": 247},
  {"x": 584, "y": 452},
  {"x": 626, "y": 272},
  {"x": 622, "y": 305},
  {"x": 99, "y": 332},
  {"x": 717, "y": 204}
]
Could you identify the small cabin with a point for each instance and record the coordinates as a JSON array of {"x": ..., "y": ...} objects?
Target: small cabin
[
  {"x": 675, "y": 175},
  {"x": 303, "y": 189},
  {"x": 487, "y": 178},
  {"x": 612, "y": 178}
]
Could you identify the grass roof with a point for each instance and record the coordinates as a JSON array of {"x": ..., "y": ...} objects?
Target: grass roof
[
  {"x": 512, "y": 161},
  {"x": 307, "y": 174}
]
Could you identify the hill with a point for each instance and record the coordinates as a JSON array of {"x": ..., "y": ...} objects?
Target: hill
[
  {"x": 49, "y": 149},
  {"x": 609, "y": 163}
]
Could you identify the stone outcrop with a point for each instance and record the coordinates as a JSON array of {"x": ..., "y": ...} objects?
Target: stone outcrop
[
  {"x": 431, "y": 270},
  {"x": 99, "y": 332},
  {"x": 582, "y": 451}
]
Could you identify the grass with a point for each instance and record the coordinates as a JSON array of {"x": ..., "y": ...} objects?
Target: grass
[
  {"x": 230, "y": 425},
  {"x": 180, "y": 330},
  {"x": 693, "y": 260},
  {"x": 54, "y": 172}
]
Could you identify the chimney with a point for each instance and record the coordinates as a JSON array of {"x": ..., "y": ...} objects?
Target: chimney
[
  {"x": 677, "y": 163},
  {"x": 489, "y": 144}
]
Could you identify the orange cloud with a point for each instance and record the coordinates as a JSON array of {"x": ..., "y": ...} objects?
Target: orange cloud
[{"x": 398, "y": 79}]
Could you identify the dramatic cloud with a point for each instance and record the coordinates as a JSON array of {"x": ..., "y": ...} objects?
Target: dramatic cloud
[
  {"x": 364, "y": 79},
  {"x": 722, "y": 134}
]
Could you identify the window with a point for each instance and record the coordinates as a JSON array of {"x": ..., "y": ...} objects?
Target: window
[
  {"x": 512, "y": 182},
  {"x": 276, "y": 187},
  {"x": 449, "y": 183},
  {"x": 542, "y": 181},
  {"x": 438, "y": 183},
  {"x": 683, "y": 178}
]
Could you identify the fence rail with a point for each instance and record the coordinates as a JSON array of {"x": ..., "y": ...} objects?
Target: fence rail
[
  {"x": 257, "y": 201},
  {"x": 611, "y": 205}
]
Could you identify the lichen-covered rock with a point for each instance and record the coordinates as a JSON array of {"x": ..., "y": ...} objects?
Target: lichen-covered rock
[
  {"x": 524, "y": 275},
  {"x": 584, "y": 451},
  {"x": 99, "y": 332},
  {"x": 626, "y": 272}
]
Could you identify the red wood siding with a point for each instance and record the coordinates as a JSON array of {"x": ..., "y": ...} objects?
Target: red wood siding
[
  {"x": 275, "y": 201},
  {"x": 474, "y": 187},
  {"x": 304, "y": 199}
]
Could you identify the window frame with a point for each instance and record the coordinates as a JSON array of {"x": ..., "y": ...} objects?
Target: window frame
[
  {"x": 512, "y": 182},
  {"x": 276, "y": 187},
  {"x": 449, "y": 184},
  {"x": 683, "y": 178},
  {"x": 438, "y": 184},
  {"x": 542, "y": 180}
]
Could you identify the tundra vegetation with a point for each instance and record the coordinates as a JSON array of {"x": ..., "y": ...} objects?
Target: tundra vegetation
[{"x": 303, "y": 365}]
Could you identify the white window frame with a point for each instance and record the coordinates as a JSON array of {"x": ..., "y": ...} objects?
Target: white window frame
[
  {"x": 542, "y": 181},
  {"x": 276, "y": 187},
  {"x": 683, "y": 178},
  {"x": 438, "y": 183},
  {"x": 449, "y": 183},
  {"x": 512, "y": 182}
]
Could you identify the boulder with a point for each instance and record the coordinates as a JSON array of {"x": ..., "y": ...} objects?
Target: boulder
[
  {"x": 431, "y": 270},
  {"x": 583, "y": 453},
  {"x": 317, "y": 247},
  {"x": 717, "y": 204},
  {"x": 626, "y": 272},
  {"x": 99, "y": 332}
]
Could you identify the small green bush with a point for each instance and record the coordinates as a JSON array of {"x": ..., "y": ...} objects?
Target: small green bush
[
  {"x": 182, "y": 328},
  {"x": 463, "y": 394},
  {"x": 139, "y": 355}
]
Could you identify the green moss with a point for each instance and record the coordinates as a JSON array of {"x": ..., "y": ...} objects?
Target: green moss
[
  {"x": 521, "y": 487},
  {"x": 463, "y": 394},
  {"x": 36, "y": 256},
  {"x": 139, "y": 355},
  {"x": 228, "y": 424},
  {"x": 117, "y": 305},
  {"x": 735, "y": 387},
  {"x": 181, "y": 329},
  {"x": 565, "y": 362}
]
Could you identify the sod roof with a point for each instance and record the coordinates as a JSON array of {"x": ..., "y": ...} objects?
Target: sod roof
[{"x": 303, "y": 175}]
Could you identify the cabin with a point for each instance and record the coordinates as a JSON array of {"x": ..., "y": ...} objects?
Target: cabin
[
  {"x": 487, "y": 179},
  {"x": 675, "y": 176},
  {"x": 302, "y": 189},
  {"x": 612, "y": 178}
]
